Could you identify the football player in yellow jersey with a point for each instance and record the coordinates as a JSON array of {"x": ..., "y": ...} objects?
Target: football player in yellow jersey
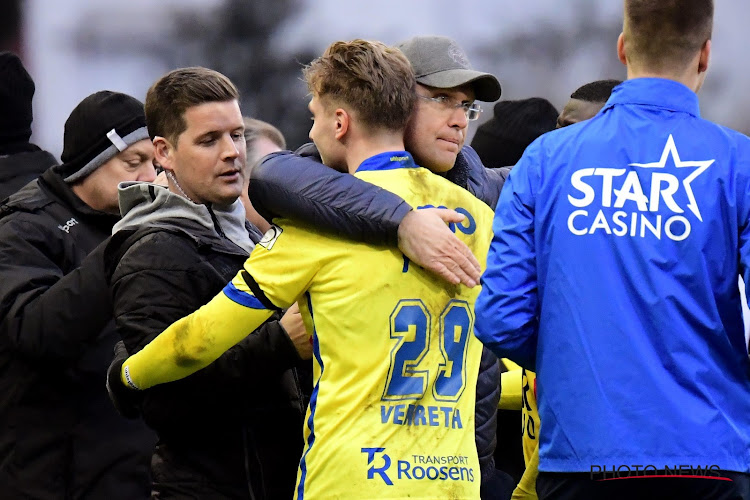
[
  {"x": 519, "y": 393},
  {"x": 396, "y": 361}
]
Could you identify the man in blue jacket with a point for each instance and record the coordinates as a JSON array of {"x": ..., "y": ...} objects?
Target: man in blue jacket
[{"x": 613, "y": 273}]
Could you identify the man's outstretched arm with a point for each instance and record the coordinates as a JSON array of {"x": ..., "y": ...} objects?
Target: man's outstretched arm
[
  {"x": 195, "y": 341},
  {"x": 300, "y": 188}
]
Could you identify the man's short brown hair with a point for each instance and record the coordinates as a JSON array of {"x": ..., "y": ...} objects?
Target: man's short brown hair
[
  {"x": 375, "y": 80},
  {"x": 180, "y": 89},
  {"x": 666, "y": 34}
]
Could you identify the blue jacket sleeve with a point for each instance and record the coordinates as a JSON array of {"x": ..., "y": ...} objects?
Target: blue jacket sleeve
[
  {"x": 484, "y": 183},
  {"x": 506, "y": 309},
  {"x": 300, "y": 188}
]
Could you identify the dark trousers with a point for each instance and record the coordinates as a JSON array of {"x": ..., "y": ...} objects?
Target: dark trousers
[{"x": 569, "y": 486}]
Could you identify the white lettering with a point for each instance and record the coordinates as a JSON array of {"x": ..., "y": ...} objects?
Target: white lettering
[
  {"x": 600, "y": 222},
  {"x": 588, "y": 191},
  {"x": 631, "y": 191},
  {"x": 667, "y": 193},
  {"x": 571, "y": 227},
  {"x": 607, "y": 175},
  {"x": 668, "y": 228},
  {"x": 655, "y": 230},
  {"x": 617, "y": 219}
]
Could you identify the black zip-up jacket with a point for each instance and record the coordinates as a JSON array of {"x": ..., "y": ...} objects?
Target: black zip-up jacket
[
  {"x": 301, "y": 188},
  {"x": 21, "y": 164},
  {"x": 60, "y": 437},
  {"x": 233, "y": 429}
]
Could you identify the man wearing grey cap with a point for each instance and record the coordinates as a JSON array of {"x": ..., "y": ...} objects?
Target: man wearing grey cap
[
  {"x": 60, "y": 437},
  {"x": 299, "y": 188}
]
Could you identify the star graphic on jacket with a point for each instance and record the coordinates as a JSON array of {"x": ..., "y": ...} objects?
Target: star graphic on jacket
[{"x": 700, "y": 166}]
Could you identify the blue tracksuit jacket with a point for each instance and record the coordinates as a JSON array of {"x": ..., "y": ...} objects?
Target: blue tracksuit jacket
[{"x": 613, "y": 273}]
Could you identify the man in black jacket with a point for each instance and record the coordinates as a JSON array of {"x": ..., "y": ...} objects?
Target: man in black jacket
[
  {"x": 60, "y": 438},
  {"x": 174, "y": 249},
  {"x": 20, "y": 161},
  {"x": 300, "y": 188}
]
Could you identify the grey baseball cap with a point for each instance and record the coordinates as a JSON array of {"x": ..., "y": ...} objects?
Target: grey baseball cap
[{"x": 439, "y": 62}]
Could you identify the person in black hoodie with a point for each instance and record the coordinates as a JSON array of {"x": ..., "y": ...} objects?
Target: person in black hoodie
[
  {"x": 174, "y": 249},
  {"x": 20, "y": 161},
  {"x": 60, "y": 438}
]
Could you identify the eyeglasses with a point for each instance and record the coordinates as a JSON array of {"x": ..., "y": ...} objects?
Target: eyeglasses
[{"x": 472, "y": 110}]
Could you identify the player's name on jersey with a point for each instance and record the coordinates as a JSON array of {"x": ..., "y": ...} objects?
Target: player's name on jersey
[{"x": 411, "y": 414}]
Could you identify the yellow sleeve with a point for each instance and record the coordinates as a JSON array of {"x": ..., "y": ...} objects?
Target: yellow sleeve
[
  {"x": 511, "y": 391},
  {"x": 526, "y": 489},
  {"x": 277, "y": 272},
  {"x": 192, "y": 343}
]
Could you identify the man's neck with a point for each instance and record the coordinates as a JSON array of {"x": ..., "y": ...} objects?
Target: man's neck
[
  {"x": 359, "y": 150},
  {"x": 688, "y": 76},
  {"x": 92, "y": 199}
]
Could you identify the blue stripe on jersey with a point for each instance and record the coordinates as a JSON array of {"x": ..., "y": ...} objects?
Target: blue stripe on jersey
[
  {"x": 242, "y": 298},
  {"x": 389, "y": 160},
  {"x": 313, "y": 403}
]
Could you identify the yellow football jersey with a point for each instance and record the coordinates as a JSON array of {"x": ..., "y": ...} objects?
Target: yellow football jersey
[
  {"x": 396, "y": 361},
  {"x": 395, "y": 358},
  {"x": 519, "y": 392}
]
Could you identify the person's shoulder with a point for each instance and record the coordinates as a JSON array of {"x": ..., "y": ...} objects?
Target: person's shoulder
[
  {"x": 293, "y": 232},
  {"x": 31, "y": 209},
  {"x": 738, "y": 138},
  {"x": 151, "y": 248}
]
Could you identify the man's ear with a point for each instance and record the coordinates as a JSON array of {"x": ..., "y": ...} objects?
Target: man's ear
[
  {"x": 621, "y": 49},
  {"x": 163, "y": 152},
  {"x": 705, "y": 57},
  {"x": 343, "y": 122}
]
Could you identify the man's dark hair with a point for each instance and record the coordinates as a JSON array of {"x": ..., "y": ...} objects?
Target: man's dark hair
[
  {"x": 665, "y": 34},
  {"x": 598, "y": 91},
  {"x": 180, "y": 89}
]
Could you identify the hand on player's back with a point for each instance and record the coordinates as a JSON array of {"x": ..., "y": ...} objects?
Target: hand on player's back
[{"x": 424, "y": 237}]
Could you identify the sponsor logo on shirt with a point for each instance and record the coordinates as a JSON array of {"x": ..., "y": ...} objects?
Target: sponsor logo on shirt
[
  {"x": 269, "y": 239},
  {"x": 647, "y": 200},
  {"x": 66, "y": 227},
  {"x": 467, "y": 226},
  {"x": 417, "y": 467}
]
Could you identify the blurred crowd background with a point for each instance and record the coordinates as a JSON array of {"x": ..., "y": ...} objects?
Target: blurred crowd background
[{"x": 541, "y": 48}]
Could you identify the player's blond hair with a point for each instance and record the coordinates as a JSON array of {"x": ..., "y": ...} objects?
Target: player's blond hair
[{"x": 374, "y": 80}]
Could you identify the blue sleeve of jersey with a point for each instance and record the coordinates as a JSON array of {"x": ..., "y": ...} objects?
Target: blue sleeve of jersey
[
  {"x": 302, "y": 189},
  {"x": 507, "y": 306}
]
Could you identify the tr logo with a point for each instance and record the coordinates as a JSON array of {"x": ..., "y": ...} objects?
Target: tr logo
[{"x": 372, "y": 454}]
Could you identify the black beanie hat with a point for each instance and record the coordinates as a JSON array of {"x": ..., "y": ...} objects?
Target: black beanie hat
[
  {"x": 16, "y": 93},
  {"x": 101, "y": 126},
  {"x": 501, "y": 141}
]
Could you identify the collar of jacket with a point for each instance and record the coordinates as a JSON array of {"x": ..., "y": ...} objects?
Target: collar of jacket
[
  {"x": 54, "y": 184},
  {"x": 657, "y": 92},
  {"x": 143, "y": 204},
  {"x": 388, "y": 160}
]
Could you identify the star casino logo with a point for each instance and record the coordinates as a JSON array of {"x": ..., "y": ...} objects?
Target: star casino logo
[{"x": 646, "y": 200}]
